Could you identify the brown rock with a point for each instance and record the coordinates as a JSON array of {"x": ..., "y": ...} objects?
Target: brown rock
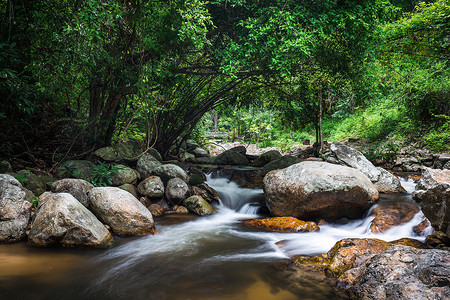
[
  {"x": 206, "y": 192},
  {"x": 282, "y": 224},
  {"x": 421, "y": 227},
  {"x": 78, "y": 188},
  {"x": 410, "y": 242},
  {"x": 388, "y": 216},
  {"x": 156, "y": 210}
]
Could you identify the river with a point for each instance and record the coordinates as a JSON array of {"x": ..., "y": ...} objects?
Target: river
[{"x": 210, "y": 257}]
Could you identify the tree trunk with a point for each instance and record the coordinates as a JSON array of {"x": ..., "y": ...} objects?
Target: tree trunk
[
  {"x": 320, "y": 120},
  {"x": 216, "y": 121}
]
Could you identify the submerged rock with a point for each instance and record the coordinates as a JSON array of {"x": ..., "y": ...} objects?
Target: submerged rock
[
  {"x": 78, "y": 188},
  {"x": 313, "y": 190},
  {"x": 402, "y": 272},
  {"x": 433, "y": 195},
  {"x": 388, "y": 216},
  {"x": 121, "y": 211},
  {"x": 198, "y": 206},
  {"x": 282, "y": 224},
  {"x": 15, "y": 210},
  {"x": 63, "y": 221}
]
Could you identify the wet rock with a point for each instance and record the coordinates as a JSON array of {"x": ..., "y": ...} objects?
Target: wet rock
[
  {"x": 156, "y": 210},
  {"x": 178, "y": 210},
  {"x": 129, "y": 188},
  {"x": 64, "y": 221},
  {"x": 280, "y": 163},
  {"x": 15, "y": 210},
  {"x": 433, "y": 195},
  {"x": 206, "y": 192},
  {"x": 122, "y": 211},
  {"x": 282, "y": 224},
  {"x": 169, "y": 171},
  {"x": 78, "y": 188},
  {"x": 402, "y": 272},
  {"x": 382, "y": 179},
  {"x": 198, "y": 206},
  {"x": 390, "y": 215},
  {"x": 152, "y": 187},
  {"x": 124, "y": 175},
  {"x": 231, "y": 157},
  {"x": 421, "y": 228},
  {"x": 266, "y": 158},
  {"x": 146, "y": 165},
  {"x": 313, "y": 190},
  {"x": 410, "y": 242},
  {"x": 438, "y": 240},
  {"x": 81, "y": 169},
  {"x": 176, "y": 191}
]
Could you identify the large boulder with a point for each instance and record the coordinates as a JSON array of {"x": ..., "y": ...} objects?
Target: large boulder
[
  {"x": 152, "y": 187},
  {"x": 266, "y": 158},
  {"x": 15, "y": 210},
  {"x": 176, "y": 191},
  {"x": 63, "y": 221},
  {"x": 122, "y": 211},
  {"x": 199, "y": 206},
  {"x": 382, "y": 179},
  {"x": 35, "y": 183},
  {"x": 313, "y": 190},
  {"x": 232, "y": 157},
  {"x": 433, "y": 195},
  {"x": 108, "y": 154},
  {"x": 78, "y": 188},
  {"x": 146, "y": 165},
  {"x": 124, "y": 175},
  {"x": 169, "y": 171},
  {"x": 402, "y": 272}
]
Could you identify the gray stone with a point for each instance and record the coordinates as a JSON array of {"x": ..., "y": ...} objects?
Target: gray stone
[
  {"x": 201, "y": 160},
  {"x": 310, "y": 190},
  {"x": 388, "y": 183},
  {"x": 231, "y": 157},
  {"x": 63, "y": 221},
  {"x": 129, "y": 188},
  {"x": 403, "y": 272},
  {"x": 176, "y": 190},
  {"x": 198, "y": 205},
  {"x": 78, "y": 188},
  {"x": 108, "y": 154},
  {"x": 130, "y": 150},
  {"x": 152, "y": 187},
  {"x": 266, "y": 158},
  {"x": 169, "y": 171},
  {"x": 121, "y": 211},
  {"x": 146, "y": 165},
  {"x": 5, "y": 167},
  {"x": 81, "y": 169},
  {"x": 35, "y": 183},
  {"x": 200, "y": 152},
  {"x": 124, "y": 175},
  {"x": 433, "y": 195},
  {"x": 15, "y": 210},
  {"x": 280, "y": 163}
]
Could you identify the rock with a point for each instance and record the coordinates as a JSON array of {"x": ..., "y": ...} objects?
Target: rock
[
  {"x": 176, "y": 191},
  {"x": 438, "y": 240},
  {"x": 15, "y": 210},
  {"x": 155, "y": 154},
  {"x": 266, "y": 158},
  {"x": 402, "y": 272},
  {"x": 152, "y": 187},
  {"x": 64, "y": 221},
  {"x": 81, "y": 169},
  {"x": 5, "y": 167},
  {"x": 282, "y": 224},
  {"x": 124, "y": 175},
  {"x": 390, "y": 215},
  {"x": 382, "y": 179},
  {"x": 388, "y": 183},
  {"x": 240, "y": 149},
  {"x": 185, "y": 155},
  {"x": 314, "y": 190},
  {"x": 122, "y": 211},
  {"x": 353, "y": 252},
  {"x": 179, "y": 210},
  {"x": 201, "y": 160},
  {"x": 200, "y": 152},
  {"x": 231, "y": 157},
  {"x": 198, "y": 205},
  {"x": 130, "y": 150},
  {"x": 156, "y": 210},
  {"x": 78, "y": 188},
  {"x": 422, "y": 227},
  {"x": 433, "y": 195},
  {"x": 206, "y": 192},
  {"x": 129, "y": 188},
  {"x": 35, "y": 183},
  {"x": 410, "y": 242},
  {"x": 169, "y": 171},
  {"x": 146, "y": 165},
  {"x": 280, "y": 163},
  {"x": 108, "y": 154}
]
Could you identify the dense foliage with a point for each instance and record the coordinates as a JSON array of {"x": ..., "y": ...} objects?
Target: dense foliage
[{"x": 76, "y": 75}]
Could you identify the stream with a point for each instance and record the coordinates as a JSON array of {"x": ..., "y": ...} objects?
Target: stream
[{"x": 210, "y": 257}]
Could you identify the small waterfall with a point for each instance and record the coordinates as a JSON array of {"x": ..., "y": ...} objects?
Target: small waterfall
[{"x": 232, "y": 196}]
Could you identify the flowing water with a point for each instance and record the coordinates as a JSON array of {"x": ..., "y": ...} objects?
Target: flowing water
[{"x": 210, "y": 257}]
